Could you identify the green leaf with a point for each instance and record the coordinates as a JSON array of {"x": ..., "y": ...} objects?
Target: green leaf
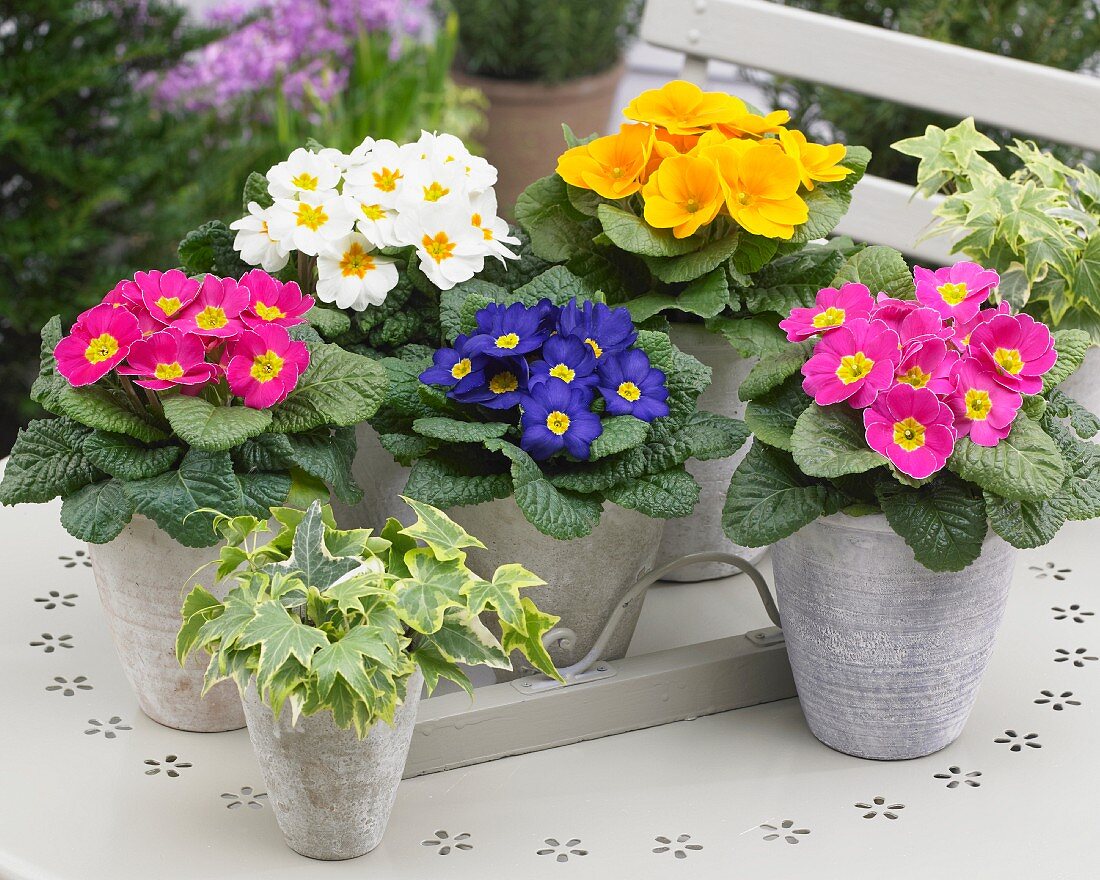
[
  {"x": 1086, "y": 275},
  {"x": 878, "y": 268},
  {"x": 1025, "y": 466},
  {"x": 108, "y": 409},
  {"x": 772, "y": 416},
  {"x": 255, "y": 190},
  {"x": 644, "y": 307},
  {"x": 49, "y": 384},
  {"x": 349, "y": 658},
  {"x": 435, "y": 666},
  {"x": 688, "y": 267},
  {"x": 558, "y": 231},
  {"x": 753, "y": 252},
  {"x": 203, "y": 425},
  {"x": 793, "y": 280},
  {"x": 943, "y": 522},
  {"x": 339, "y": 388},
  {"x": 619, "y": 433},
  {"x": 210, "y": 249},
  {"x": 528, "y": 640},
  {"x": 454, "y": 431},
  {"x": 98, "y": 512},
  {"x": 310, "y": 557},
  {"x": 1024, "y": 524},
  {"x": 433, "y": 586},
  {"x": 710, "y": 436},
  {"x": 1072, "y": 346},
  {"x": 327, "y": 454},
  {"x": 665, "y": 495},
  {"x": 280, "y": 637},
  {"x": 127, "y": 458},
  {"x": 753, "y": 336},
  {"x": 829, "y": 441},
  {"x": 199, "y": 607},
  {"x": 47, "y": 460},
  {"x": 1079, "y": 498},
  {"x": 501, "y": 595},
  {"x": 556, "y": 284},
  {"x": 442, "y": 484},
  {"x": 771, "y": 372},
  {"x": 329, "y": 323},
  {"x": 706, "y": 296},
  {"x": 407, "y": 448},
  {"x": 631, "y": 233},
  {"x": 1084, "y": 423},
  {"x": 465, "y": 639},
  {"x": 769, "y": 499},
  {"x": 443, "y": 535},
  {"x": 828, "y": 202}
]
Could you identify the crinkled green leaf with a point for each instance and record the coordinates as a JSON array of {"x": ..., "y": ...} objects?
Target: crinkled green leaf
[
  {"x": 338, "y": 388},
  {"x": 772, "y": 416},
  {"x": 619, "y": 433},
  {"x": 878, "y": 268},
  {"x": 1072, "y": 346},
  {"x": 556, "y": 284},
  {"x": 753, "y": 336},
  {"x": 1024, "y": 524},
  {"x": 442, "y": 484},
  {"x": 770, "y": 372},
  {"x": 203, "y": 425},
  {"x": 688, "y": 267},
  {"x": 558, "y": 231},
  {"x": 665, "y": 495},
  {"x": 327, "y": 454},
  {"x": 943, "y": 522},
  {"x": 126, "y": 458},
  {"x": 256, "y": 190},
  {"x": 631, "y": 233},
  {"x": 1025, "y": 466},
  {"x": 98, "y": 512},
  {"x": 829, "y": 441},
  {"x": 47, "y": 460},
  {"x": 49, "y": 384},
  {"x": 455, "y": 431},
  {"x": 108, "y": 409}
]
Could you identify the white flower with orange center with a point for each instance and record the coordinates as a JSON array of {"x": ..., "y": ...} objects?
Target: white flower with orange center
[
  {"x": 372, "y": 218},
  {"x": 382, "y": 175},
  {"x": 351, "y": 276},
  {"x": 446, "y": 149},
  {"x": 450, "y": 248},
  {"x": 255, "y": 243},
  {"x": 494, "y": 230},
  {"x": 303, "y": 172},
  {"x": 433, "y": 184},
  {"x": 310, "y": 222}
]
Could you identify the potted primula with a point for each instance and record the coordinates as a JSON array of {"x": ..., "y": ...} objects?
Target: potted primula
[
  {"x": 557, "y": 431},
  {"x": 331, "y": 636},
  {"x": 906, "y": 443},
  {"x": 173, "y": 396},
  {"x": 1039, "y": 228},
  {"x": 703, "y": 211},
  {"x": 376, "y": 235}
]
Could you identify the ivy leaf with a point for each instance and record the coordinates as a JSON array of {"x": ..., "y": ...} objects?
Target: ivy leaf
[
  {"x": 98, "y": 512},
  {"x": 665, "y": 495},
  {"x": 339, "y": 388},
  {"x": 199, "y": 607},
  {"x": 126, "y": 458},
  {"x": 280, "y": 636},
  {"x": 446, "y": 538},
  {"x": 879, "y": 269},
  {"x": 203, "y": 425},
  {"x": 772, "y": 416},
  {"x": 465, "y": 639},
  {"x": 454, "y": 431},
  {"x": 47, "y": 460},
  {"x": 1025, "y": 466},
  {"x": 528, "y": 640},
  {"x": 349, "y": 658},
  {"x": 310, "y": 557},
  {"x": 435, "y": 666},
  {"x": 943, "y": 522},
  {"x": 433, "y": 586},
  {"x": 501, "y": 594},
  {"x": 771, "y": 372},
  {"x": 631, "y": 233},
  {"x": 1072, "y": 346},
  {"x": 108, "y": 409},
  {"x": 688, "y": 267},
  {"x": 619, "y": 433},
  {"x": 829, "y": 441}
]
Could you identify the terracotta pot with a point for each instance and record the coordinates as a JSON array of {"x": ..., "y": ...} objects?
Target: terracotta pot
[
  {"x": 382, "y": 480},
  {"x": 331, "y": 792},
  {"x": 586, "y": 578},
  {"x": 887, "y": 656},
  {"x": 143, "y": 576},
  {"x": 1084, "y": 385},
  {"x": 524, "y": 138},
  {"x": 702, "y": 531}
]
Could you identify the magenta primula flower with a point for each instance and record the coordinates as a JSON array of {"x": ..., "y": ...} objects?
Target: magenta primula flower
[
  {"x": 273, "y": 302},
  {"x": 1016, "y": 349},
  {"x": 961, "y": 330},
  {"x": 927, "y": 363},
  {"x": 831, "y": 309},
  {"x": 892, "y": 311},
  {"x": 854, "y": 363},
  {"x": 264, "y": 365},
  {"x": 955, "y": 291},
  {"x": 920, "y": 324},
  {"x": 984, "y": 409},
  {"x": 169, "y": 358},
  {"x": 98, "y": 342},
  {"x": 215, "y": 310},
  {"x": 163, "y": 294},
  {"x": 912, "y": 428},
  {"x": 126, "y": 295}
]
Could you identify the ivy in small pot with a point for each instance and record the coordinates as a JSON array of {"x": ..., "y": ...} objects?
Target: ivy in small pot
[
  {"x": 558, "y": 431},
  {"x": 174, "y": 395},
  {"x": 923, "y": 441},
  {"x": 331, "y": 635}
]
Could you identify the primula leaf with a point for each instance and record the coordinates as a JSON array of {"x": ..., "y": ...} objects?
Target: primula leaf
[
  {"x": 1072, "y": 346},
  {"x": 943, "y": 522},
  {"x": 1084, "y": 423},
  {"x": 256, "y": 190},
  {"x": 126, "y": 458},
  {"x": 339, "y": 388},
  {"x": 753, "y": 336},
  {"x": 753, "y": 252},
  {"x": 1079, "y": 498},
  {"x": 619, "y": 433},
  {"x": 631, "y": 233},
  {"x": 407, "y": 448},
  {"x": 558, "y": 231},
  {"x": 433, "y": 586},
  {"x": 327, "y": 454},
  {"x": 771, "y": 372},
  {"x": 706, "y": 296},
  {"x": 199, "y": 607},
  {"x": 47, "y": 460},
  {"x": 446, "y": 538},
  {"x": 829, "y": 202},
  {"x": 879, "y": 269},
  {"x": 665, "y": 495},
  {"x": 49, "y": 384},
  {"x": 203, "y": 425},
  {"x": 829, "y": 441},
  {"x": 279, "y": 636},
  {"x": 688, "y": 267},
  {"x": 556, "y": 284},
  {"x": 528, "y": 641},
  {"x": 1025, "y": 466},
  {"x": 441, "y": 484},
  {"x": 329, "y": 323},
  {"x": 454, "y": 431},
  {"x": 465, "y": 639},
  {"x": 1024, "y": 524},
  {"x": 108, "y": 409},
  {"x": 98, "y": 512},
  {"x": 501, "y": 594},
  {"x": 772, "y": 416}
]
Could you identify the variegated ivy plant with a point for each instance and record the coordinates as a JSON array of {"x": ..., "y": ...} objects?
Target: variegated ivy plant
[{"x": 325, "y": 619}]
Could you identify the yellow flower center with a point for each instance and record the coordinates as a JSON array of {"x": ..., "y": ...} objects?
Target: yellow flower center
[
  {"x": 1009, "y": 360},
  {"x": 487, "y": 233},
  {"x": 595, "y": 347},
  {"x": 439, "y": 248},
  {"x": 373, "y": 212},
  {"x": 558, "y": 422},
  {"x": 504, "y": 382},
  {"x": 831, "y": 317},
  {"x": 461, "y": 369},
  {"x": 561, "y": 371},
  {"x": 909, "y": 434},
  {"x": 978, "y": 404},
  {"x": 266, "y": 366},
  {"x": 102, "y": 348},
  {"x": 304, "y": 181},
  {"x": 507, "y": 340},
  {"x": 386, "y": 180},
  {"x": 312, "y": 217},
  {"x": 691, "y": 206},
  {"x": 854, "y": 367},
  {"x": 268, "y": 313},
  {"x": 169, "y": 305},
  {"x": 211, "y": 318},
  {"x": 435, "y": 192},
  {"x": 952, "y": 293},
  {"x": 356, "y": 261},
  {"x": 629, "y": 391},
  {"x": 915, "y": 376},
  {"x": 168, "y": 371},
  {"x": 475, "y": 220}
]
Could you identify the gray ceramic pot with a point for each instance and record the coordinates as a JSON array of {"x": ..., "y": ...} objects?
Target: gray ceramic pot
[
  {"x": 143, "y": 576},
  {"x": 887, "y": 655},
  {"x": 702, "y": 531},
  {"x": 382, "y": 480},
  {"x": 1084, "y": 385},
  {"x": 332, "y": 792},
  {"x": 586, "y": 578}
]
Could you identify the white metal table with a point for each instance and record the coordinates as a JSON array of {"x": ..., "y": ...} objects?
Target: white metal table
[{"x": 90, "y": 788}]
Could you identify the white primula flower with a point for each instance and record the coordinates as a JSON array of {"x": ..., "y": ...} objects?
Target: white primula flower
[
  {"x": 494, "y": 230},
  {"x": 430, "y": 184},
  {"x": 254, "y": 242},
  {"x": 303, "y": 172},
  {"x": 310, "y": 222},
  {"x": 450, "y": 249},
  {"x": 447, "y": 149},
  {"x": 349, "y": 275},
  {"x": 372, "y": 218},
  {"x": 382, "y": 172},
  {"x": 360, "y": 154}
]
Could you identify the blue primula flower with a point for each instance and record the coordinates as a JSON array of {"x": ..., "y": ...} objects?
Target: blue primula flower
[
  {"x": 506, "y": 331},
  {"x": 548, "y": 315},
  {"x": 606, "y": 330},
  {"x": 450, "y": 366},
  {"x": 502, "y": 384},
  {"x": 632, "y": 387},
  {"x": 555, "y": 417},
  {"x": 566, "y": 358}
]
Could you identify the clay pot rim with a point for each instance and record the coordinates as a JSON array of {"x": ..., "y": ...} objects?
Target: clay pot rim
[{"x": 518, "y": 91}]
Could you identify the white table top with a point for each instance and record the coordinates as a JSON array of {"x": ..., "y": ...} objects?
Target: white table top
[{"x": 688, "y": 799}]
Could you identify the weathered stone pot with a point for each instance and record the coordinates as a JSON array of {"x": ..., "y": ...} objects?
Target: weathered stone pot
[
  {"x": 1084, "y": 385},
  {"x": 586, "y": 578},
  {"x": 382, "y": 480},
  {"x": 143, "y": 576},
  {"x": 332, "y": 792},
  {"x": 887, "y": 655},
  {"x": 702, "y": 531}
]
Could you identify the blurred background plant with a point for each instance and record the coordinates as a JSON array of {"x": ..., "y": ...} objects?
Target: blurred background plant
[{"x": 1056, "y": 33}]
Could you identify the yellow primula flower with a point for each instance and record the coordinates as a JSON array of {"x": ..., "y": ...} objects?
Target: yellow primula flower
[
  {"x": 684, "y": 193},
  {"x": 612, "y": 166},
  {"x": 761, "y": 188},
  {"x": 666, "y": 144},
  {"x": 815, "y": 161},
  {"x": 741, "y": 122},
  {"x": 679, "y": 107}
]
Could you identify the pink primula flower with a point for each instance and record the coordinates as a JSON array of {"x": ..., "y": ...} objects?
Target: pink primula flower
[
  {"x": 955, "y": 291},
  {"x": 273, "y": 302},
  {"x": 912, "y": 428},
  {"x": 921, "y": 324},
  {"x": 164, "y": 294},
  {"x": 97, "y": 344},
  {"x": 961, "y": 330},
  {"x": 1017, "y": 349},
  {"x": 122, "y": 297},
  {"x": 854, "y": 363},
  {"x": 264, "y": 365},
  {"x": 216, "y": 310},
  {"x": 167, "y": 359},
  {"x": 984, "y": 409},
  {"x": 832, "y": 308},
  {"x": 927, "y": 363},
  {"x": 892, "y": 311}
]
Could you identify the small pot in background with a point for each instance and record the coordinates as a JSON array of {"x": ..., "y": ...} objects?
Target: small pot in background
[
  {"x": 382, "y": 480},
  {"x": 1084, "y": 385}
]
